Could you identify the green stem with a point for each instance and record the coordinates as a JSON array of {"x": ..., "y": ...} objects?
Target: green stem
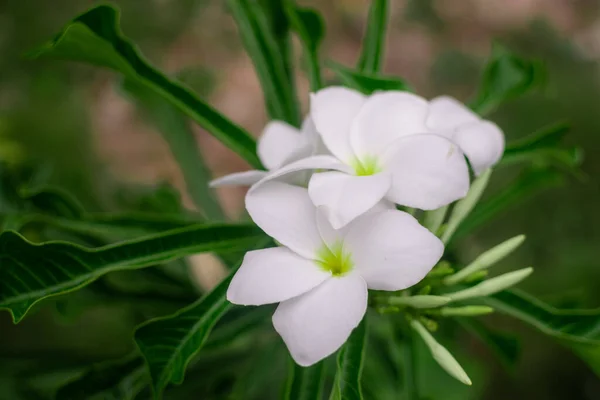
[{"x": 408, "y": 368}]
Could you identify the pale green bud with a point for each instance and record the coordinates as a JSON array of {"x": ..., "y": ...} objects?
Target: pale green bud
[
  {"x": 441, "y": 354},
  {"x": 463, "y": 207},
  {"x": 467, "y": 311},
  {"x": 487, "y": 259},
  {"x": 491, "y": 286},
  {"x": 419, "y": 301},
  {"x": 434, "y": 219}
]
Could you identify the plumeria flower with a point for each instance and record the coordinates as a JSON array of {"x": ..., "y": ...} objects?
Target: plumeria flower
[
  {"x": 320, "y": 276},
  {"x": 278, "y": 145},
  {"x": 482, "y": 141},
  {"x": 381, "y": 149}
]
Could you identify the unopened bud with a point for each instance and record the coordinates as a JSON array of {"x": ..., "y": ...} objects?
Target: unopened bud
[
  {"x": 467, "y": 311},
  {"x": 419, "y": 301},
  {"x": 491, "y": 286}
]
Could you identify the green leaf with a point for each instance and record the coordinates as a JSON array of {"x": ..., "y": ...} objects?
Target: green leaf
[
  {"x": 309, "y": 26},
  {"x": 505, "y": 347},
  {"x": 31, "y": 272},
  {"x": 347, "y": 385},
  {"x": 174, "y": 128},
  {"x": 122, "y": 379},
  {"x": 373, "y": 46},
  {"x": 528, "y": 183},
  {"x": 305, "y": 383},
  {"x": 578, "y": 326},
  {"x": 169, "y": 343},
  {"x": 506, "y": 77},
  {"x": 95, "y": 38},
  {"x": 578, "y": 330},
  {"x": 52, "y": 200},
  {"x": 261, "y": 45},
  {"x": 365, "y": 82}
]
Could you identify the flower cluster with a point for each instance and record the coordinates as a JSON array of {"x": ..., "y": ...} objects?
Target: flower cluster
[{"x": 330, "y": 198}]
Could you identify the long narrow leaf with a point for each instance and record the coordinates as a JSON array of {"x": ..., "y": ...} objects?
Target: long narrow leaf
[
  {"x": 305, "y": 383},
  {"x": 95, "y": 38},
  {"x": 261, "y": 46},
  {"x": 367, "y": 83},
  {"x": 31, "y": 272},
  {"x": 373, "y": 46},
  {"x": 347, "y": 385},
  {"x": 309, "y": 26}
]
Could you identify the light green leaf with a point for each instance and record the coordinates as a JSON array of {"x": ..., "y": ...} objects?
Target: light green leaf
[
  {"x": 169, "y": 343},
  {"x": 95, "y": 38},
  {"x": 463, "y": 207},
  {"x": 305, "y": 383},
  {"x": 173, "y": 125},
  {"x": 261, "y": 45},
  {"x": 350, "y": 359},
  {"x": 373, "y": 45},
  {"x": 507, "y": 76},
  {"x": 309, "y": 26},
  {"x": 31, "y": 272},
  {"x": 365, "y": 82}
]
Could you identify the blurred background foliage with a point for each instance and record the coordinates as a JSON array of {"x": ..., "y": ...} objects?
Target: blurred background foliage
[{"x": 71, "y": 126}]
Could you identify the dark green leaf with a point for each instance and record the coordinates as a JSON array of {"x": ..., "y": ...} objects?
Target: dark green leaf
[
  {"x": 543, "y": 147},
  {"x": 578, "y": 330},
  {"x": 373, "y": 46},
  {"x": 367, "y": 83},
  {"x": 261, "y": 45},
  {"x": 122, "y": 379},
  {"x": 305, "y": 383},
  {"x": 506, "y": 347},
  {"x": 174, "y": 128},
  {"x": 530, "y": 182},
  {"x": 309, "y": 26},
  {"x": 54, "y": 201},
  {"x": 507, "y": 76},
  {"x": 169, "y": 343},
  {"x": 31, "y": 272},
  {"x": 347, "y": 385},
  {"x": 95, "y": 37},
  {"x": 578, "y": 326}
]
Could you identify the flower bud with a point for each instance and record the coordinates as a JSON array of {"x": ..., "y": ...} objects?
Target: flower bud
[
  {"x": 419, "y": 301},
  {"x": 487, "y": 259},
  {"x": 491, "y": 286},
  {"x": 467, "y": 311},
  {"x": 441, "y": 354}
]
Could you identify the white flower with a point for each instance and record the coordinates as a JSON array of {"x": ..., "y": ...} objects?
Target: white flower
[
  {"x": 320, "y": 276},
  {"x": 381, "y": 148},
  {"x": 482, "y": 141},
  {"x": 278, "y": 145}
]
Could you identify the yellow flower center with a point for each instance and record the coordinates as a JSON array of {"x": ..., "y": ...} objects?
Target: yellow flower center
[
  {"x": 334, "y": 259},
  {"x": 366, "y": 166}
]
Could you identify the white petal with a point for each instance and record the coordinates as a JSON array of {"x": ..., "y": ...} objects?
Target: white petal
[
  {"x": 446, "y": 114},
  {"x": 289, "y": 172},
  {"x": 482, "y": 142},
  {"x": 273, "y": 275},
  {"x": 285, "y": 213},
  {"x": 344, "y": 197},
  {"x": 310, "y": 131},
  {"x": 385, "y": 117},
  {"x": 428, "y": 172},
  {"x": 316, "y": 324},
  {"x": 246, "y": 178},
  {"x": 281, "y": 143},
  {"x": 333, "y": 109},
  {"x": 391, "y": 250}
]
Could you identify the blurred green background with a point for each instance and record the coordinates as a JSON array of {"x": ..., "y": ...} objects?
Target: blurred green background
[{"x": 72, "y": 124}]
